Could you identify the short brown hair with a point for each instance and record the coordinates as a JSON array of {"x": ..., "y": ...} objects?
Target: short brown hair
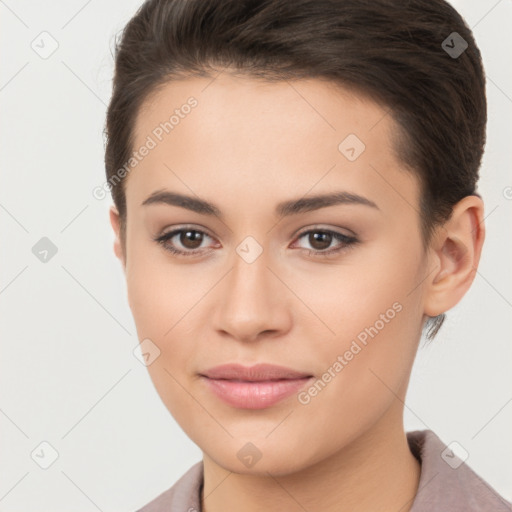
[{"x": 396, "y": 53}]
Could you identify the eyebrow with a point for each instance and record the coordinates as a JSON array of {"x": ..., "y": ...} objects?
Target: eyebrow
[{"x": 283, "y": 209}]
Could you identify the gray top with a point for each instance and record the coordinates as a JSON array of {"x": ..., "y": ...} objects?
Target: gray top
[{"x": 446, "y": 483}]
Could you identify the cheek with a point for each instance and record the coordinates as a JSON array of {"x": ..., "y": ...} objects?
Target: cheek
[
  {"x": 162, "y": 308},
  {"x": 155, "y": 290},
  {"x": 346, "y": 300},
  {"x": 149, "y": 305},
  {"x": 365, "y": 373},
  {"x": 161, "y": 312},
  {"x": 165, "y": 301},
  {"x": 373, "y": 312}
]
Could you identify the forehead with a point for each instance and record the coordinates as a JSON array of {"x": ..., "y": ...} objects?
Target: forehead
[
  {"x": 241, "y": 105},
  {"x": 269, "y": 139}
]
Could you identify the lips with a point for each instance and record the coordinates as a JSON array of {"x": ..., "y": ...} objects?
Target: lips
[
  {"x": 259, "y": 372},
  {"x": 255, "y": 387}
]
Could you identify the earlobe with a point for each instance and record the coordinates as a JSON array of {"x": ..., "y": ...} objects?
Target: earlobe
[
  {"x": 456, "y": 249},
  {"x": 116, "y": 225}
]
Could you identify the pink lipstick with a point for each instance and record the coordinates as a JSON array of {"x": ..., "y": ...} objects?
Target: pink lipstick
[{"x": 255, "y": 387}]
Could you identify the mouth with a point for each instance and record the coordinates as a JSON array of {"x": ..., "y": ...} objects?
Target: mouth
[{"x": 256, "y": 387}]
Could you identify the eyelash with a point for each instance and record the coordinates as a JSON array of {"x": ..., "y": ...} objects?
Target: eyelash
[{"x": 348, "y": 242}]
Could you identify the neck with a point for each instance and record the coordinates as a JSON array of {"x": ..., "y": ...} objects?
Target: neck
[{"x": 377, "y": 471}]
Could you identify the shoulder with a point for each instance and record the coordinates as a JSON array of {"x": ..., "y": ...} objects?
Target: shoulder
[
  {"x": 447, "y": 482},
  {"x": 183, "y": 496}
]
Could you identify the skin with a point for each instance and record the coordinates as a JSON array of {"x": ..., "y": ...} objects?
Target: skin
[{"x": 247, "y": 146}]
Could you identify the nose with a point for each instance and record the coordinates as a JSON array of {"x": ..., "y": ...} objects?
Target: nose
[{"x": 252, "y": 302}]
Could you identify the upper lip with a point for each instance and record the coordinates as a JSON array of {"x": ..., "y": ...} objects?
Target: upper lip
[{"x": 258, "y": 372}]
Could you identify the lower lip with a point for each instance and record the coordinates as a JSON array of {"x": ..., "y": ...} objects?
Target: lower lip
[{"x": 254, "y": 395}]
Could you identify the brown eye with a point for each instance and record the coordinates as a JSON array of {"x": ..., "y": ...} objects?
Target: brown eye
[
  {"x": 320, "y": 240},
  {"x": 191, "y": 239},
  {"x": 184, "y": 241}
]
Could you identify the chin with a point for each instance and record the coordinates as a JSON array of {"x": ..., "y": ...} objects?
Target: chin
[{"x": 263, "y": 458}]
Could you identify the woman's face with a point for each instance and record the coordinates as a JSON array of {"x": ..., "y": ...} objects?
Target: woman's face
[{"x": 255, "y": 285}]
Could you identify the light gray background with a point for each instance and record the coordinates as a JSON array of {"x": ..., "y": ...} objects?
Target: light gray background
[{"x": 68, "y": 375}]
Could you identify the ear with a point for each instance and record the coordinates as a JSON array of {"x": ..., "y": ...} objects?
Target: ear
[
  {"x": 116, "y": 226},
  {"x": 455, "y": 254}
]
